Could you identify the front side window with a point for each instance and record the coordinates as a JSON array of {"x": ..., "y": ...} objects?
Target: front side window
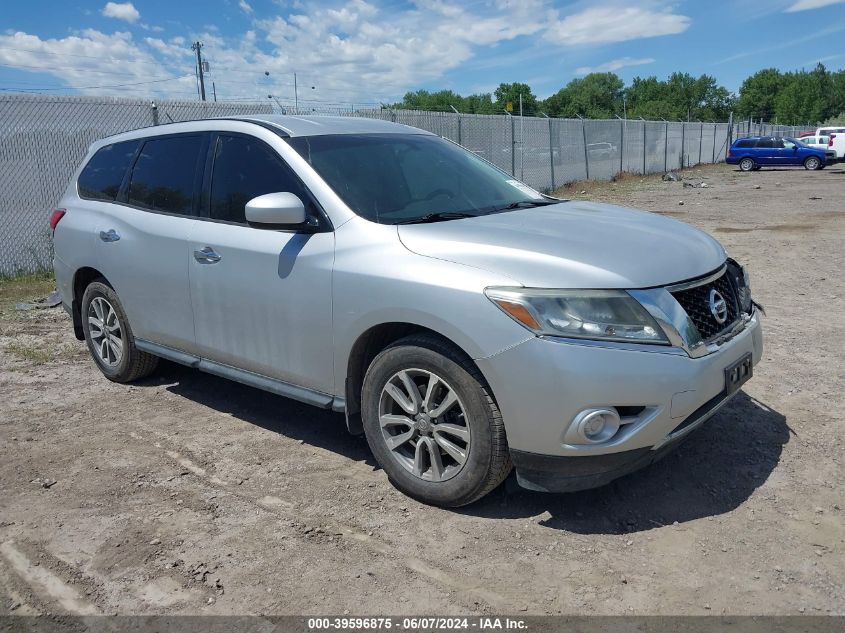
[
  {"x": 165, "y": 174},
  {"x": 788, "y": 143},
  {"x": 405, "y": 178},
  {"x": 244, "y": 168},
  {"x": 101, "y": 177}
]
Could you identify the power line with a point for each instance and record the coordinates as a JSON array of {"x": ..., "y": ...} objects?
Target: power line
[{"x": 137, "y": 83}]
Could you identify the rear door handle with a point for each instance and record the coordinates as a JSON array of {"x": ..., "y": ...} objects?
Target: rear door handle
[
  {"x": 206, "y": 255},
  {"x": 109, "y": 236}
]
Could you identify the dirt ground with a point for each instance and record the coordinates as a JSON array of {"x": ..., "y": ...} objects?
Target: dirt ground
[{"x": 189, "y": 494}]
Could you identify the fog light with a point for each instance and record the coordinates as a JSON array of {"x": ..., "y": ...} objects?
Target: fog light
[{"x": 597, "y": 425}]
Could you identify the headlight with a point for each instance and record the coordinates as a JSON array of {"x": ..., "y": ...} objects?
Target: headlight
[
  {"x": 742, "y": 283},
  {"x": 608, "y": 315}
]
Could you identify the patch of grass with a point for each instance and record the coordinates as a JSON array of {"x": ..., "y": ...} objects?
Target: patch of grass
[
  {"x": 30, "y": 352},
  {"x": 626, "y": 180},
  {"x": 24, "y": 288}
]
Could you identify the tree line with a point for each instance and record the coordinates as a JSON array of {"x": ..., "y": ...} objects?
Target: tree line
[{"x": 791, "y": 98}]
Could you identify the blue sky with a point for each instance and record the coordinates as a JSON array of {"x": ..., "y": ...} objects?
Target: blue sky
[{"x": 370, "y": 51}]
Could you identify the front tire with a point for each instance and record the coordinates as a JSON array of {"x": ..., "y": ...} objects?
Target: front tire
[
  {"x": 747, "y": 164},
  {"x": 812, "y": 163},
  {"x": 109, "y": 336},
  {"x": 432, "y": 423}
]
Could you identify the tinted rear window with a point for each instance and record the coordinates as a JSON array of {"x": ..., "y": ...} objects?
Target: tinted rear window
[
  {"x": 745, "y": 143},
  {"x": 766, "y": 142},
  {"x": 165, "y": 174},
  {"x": 101, "y": 177}
]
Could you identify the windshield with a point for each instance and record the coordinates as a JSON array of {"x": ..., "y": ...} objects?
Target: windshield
[{"x": 405, "y": 178}]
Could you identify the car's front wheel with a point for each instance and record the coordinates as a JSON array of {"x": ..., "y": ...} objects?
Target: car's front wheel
[
  {"x": 109, "y": 336},
  {"x": 812, "y": 163},
  {"x": 432, "y": 423},
  {"x": 747, "y": 164}
]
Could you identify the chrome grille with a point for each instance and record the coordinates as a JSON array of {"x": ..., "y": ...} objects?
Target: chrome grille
[{"x": 696, "y": 302}]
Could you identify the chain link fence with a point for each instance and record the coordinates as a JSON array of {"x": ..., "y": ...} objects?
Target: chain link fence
[{"x": 42, "y": 140}]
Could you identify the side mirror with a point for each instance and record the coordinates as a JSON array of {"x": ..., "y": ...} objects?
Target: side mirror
[{"x": 275, "y": 208}]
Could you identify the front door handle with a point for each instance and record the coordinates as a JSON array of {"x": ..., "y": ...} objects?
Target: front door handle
[
  {"x": 109, "y": 236},
  {"x": 207, "y": 256}
]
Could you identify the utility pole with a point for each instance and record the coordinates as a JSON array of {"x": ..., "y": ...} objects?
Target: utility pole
[
  {"x": 521, "y": 141},
  {"x": 214, "y": 91},
  {"x": 197, "y": 46}
]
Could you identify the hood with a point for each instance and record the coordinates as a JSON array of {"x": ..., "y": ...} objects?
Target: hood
[{"x": 572, "y": 245}]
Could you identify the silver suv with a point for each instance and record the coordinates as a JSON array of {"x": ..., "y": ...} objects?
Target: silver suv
[{"x": 461, "y": 320}]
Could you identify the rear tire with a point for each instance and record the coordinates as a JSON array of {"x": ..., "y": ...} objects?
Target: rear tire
[
  {"x": 109, "y": 336},
  {"x": 454, "y": 456},
  {"x": 747, "y": 164},
  {"x": 812, "y": 163}
]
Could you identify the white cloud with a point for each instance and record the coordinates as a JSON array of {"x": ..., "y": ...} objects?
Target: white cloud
[
  {"x": 362, "y": 51},
  {"x": 614, "y": 64},
  {"x": 121, "y": 11},
  {"x": 608, "y": 24},
  {"x": 92, "y": 58},
  {"x": 245, "y": 6},
  {"x": 804, "y": 5}
]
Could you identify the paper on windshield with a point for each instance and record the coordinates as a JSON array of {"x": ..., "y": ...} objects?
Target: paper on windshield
[{"x": 528, "y": 191}]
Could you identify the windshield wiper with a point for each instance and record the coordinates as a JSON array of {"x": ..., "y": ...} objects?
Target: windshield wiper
[
  {"x": 437, "y": 217},
  {"x": 527, "y": 204}
]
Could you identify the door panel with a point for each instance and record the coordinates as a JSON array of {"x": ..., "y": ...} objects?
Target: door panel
[
  {"x": 142, "y": 241},
  {"x": 262, "y": 297},
  {"x": 149, "y": 271},
  {"x": 265, "y": 304}
]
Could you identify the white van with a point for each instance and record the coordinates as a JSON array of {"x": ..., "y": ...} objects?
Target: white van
[{"x": 836, "y": 139}]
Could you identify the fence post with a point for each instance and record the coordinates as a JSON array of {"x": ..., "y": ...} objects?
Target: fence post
[
  {"x": 513, "y": 146},
  {"x": 551, "y": 154},
  {"x": 715, "y": 127},
  {"x": 643, "y": 120},
  {"x": 729, "y": 133},
  {"x": 154, "y": 109},
  {"x": 700, "y": 141},
  {"x": 683, "y": 141},
  {"x": 586, "y": 153},
  {"x": 621, "y": 144},
  {"x": 666, "y": 149}
]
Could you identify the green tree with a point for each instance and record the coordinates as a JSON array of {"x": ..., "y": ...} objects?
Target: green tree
[
  {"x": 511, "y": 92},
  {"x": 807, "y": 96},
  {"x": 595, "y": 96},
  {"x": 758, "y": 93},
  {"x": 425, "y": 100}
]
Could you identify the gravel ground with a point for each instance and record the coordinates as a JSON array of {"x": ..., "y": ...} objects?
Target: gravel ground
[{"x": 189, "y": 494}]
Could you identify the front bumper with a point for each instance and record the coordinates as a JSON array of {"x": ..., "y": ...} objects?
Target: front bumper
[{"x": 542, "y": 384}]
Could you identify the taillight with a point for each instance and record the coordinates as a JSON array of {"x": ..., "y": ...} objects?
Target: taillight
[
  {"x": 830, "y": 140},
  {"x": 57, "y": 215}
]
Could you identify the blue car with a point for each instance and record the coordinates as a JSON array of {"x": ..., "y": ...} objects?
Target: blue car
[{"x": 754, "y": 152}]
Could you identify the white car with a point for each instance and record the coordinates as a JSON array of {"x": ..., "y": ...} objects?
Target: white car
[
  {"x": 822, "y": 143},
  {"x": 835, "y": 139}
]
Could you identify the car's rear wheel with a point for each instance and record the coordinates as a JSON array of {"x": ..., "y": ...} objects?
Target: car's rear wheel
[
  {"x": 747, "y": 164},
  {"x": 109, "y": 336},
  {"x": 812, "y": 163},
  {"x": 432, "y": 423}
]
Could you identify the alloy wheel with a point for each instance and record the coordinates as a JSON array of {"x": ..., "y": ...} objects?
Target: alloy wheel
[
  {"x": 105, "y": 331},
  {"x": 424, "y": 424}
]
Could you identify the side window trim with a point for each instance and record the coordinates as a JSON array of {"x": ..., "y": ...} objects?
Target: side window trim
[
  {"x": 123, "y": 192},
  {"x": 204, "y": 211}
]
